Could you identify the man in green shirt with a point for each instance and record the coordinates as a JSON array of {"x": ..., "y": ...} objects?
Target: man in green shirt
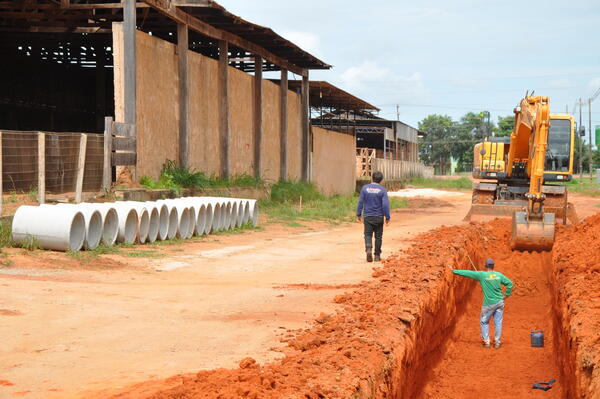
[{"x": 493, "y": 299}]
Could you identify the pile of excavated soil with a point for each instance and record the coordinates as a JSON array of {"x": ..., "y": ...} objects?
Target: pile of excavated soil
[
  {"x": 391, "y": 332},
  {"x": 373, "y": 346},
  {"x": 576, "y": 261}
]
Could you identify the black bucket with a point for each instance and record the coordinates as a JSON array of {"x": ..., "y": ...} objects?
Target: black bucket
[{"x": 537, "y": 339}]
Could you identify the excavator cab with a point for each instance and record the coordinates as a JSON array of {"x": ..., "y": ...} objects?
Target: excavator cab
[{"x": 523, "y": 176}]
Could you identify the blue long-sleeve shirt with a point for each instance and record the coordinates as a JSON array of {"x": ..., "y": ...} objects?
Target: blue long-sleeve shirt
[{"x": 373, "y": 201}]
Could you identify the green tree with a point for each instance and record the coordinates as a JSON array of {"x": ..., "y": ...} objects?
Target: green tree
[
  {"x": 435, "y": 149},
  {"x": 505, "y": 126}
]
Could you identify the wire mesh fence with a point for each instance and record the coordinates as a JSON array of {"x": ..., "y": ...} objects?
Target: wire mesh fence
[{"x": 20, "y": 161}]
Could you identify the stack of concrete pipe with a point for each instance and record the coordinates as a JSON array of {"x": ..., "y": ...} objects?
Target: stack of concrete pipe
[{"x": 71, "y": 227}]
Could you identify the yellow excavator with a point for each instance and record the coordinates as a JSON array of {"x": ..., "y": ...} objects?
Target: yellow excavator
[{"x": 521, "y": 176}]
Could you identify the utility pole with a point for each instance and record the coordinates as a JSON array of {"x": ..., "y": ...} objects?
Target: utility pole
[
  {"x": 590, "y": 137},
  {"x": 398, "y": 113},
  {"x": 580, "y": 143}
]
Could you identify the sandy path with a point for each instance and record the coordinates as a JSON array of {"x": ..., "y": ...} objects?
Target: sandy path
[{"x": 212, "y": 305}]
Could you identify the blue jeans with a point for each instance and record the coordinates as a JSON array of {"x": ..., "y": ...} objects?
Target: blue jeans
[{"x": 497, "y": 311}]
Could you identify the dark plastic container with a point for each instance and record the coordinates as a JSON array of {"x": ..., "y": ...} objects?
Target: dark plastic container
[{"x": 537, "y": 339}]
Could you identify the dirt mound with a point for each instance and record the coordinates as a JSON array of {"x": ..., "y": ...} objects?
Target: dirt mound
[{"x": 577, "y": 304}]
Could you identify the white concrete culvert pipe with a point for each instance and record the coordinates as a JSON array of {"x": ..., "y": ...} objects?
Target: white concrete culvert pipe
[
  {"x": 163, "y": 219},
  {"x": 217, "y": 214},
  {"x": 154, "y": 220},
  {"x": 62, "y": 229},
  {"x": 199, "y": 214},
  {"x": 143, "y": 219},
  {"x": 93, "y": 223},
  {"x": 110, "y": 221},
  {"x": 183, "y": 217},
  {"x": 210, "y": 216},
  {"x": 246, "y": 205},
  {"x": 128, "y": 223},
  {"x": 253, "y": 208}
]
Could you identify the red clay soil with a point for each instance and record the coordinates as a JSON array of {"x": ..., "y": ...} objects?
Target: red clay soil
[
  {"x": 411, "y": 332},
  {"x": 576, "y": 259}
]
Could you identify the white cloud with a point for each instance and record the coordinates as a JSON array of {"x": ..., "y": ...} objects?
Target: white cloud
[
  {"x": 307, "y": 41},
  {"x": 370, "y": 76}
]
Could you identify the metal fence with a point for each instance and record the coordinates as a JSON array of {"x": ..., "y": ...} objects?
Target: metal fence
[
  {"x": 26, "y": 168},
  {"x": 394, "y": 169}
]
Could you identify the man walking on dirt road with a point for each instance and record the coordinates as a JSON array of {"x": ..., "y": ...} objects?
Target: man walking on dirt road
[
  {"x": 373, "y": 206},
  {"x": 493, "y": 299}
]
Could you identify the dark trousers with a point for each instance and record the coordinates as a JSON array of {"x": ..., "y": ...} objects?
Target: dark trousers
[{"x": 373, "y": 225}]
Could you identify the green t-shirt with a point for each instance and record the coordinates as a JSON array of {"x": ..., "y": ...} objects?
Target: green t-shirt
[{"x": 491, "y": 284}]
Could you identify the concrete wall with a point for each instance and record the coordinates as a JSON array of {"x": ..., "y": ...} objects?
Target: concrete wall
[
  {"x": 158, "y": 113},
  {"x": 333, "y": 161}
]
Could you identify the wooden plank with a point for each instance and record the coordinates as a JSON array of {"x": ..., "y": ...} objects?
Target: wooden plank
[
  {"x": 107, "y": 167},
  {"x": 129, "y": 31},
  {"x": 305, "y": 128},
  {"x": 180, "y": 16},
  {"x": 124, "y": 158},
  {"x": 258, "y": 110},
  {"x": 224, "y": 106},
  {"x": 121, "y": 143},
  {"x": 283, "y": 125},
  {"x": 182, "y": 50},
  {"x": 80, "y": 168},
  {"x": 123, "y": 129},
  {"x": 1, "y": 188},
  {"x": 41, "y": 167}
]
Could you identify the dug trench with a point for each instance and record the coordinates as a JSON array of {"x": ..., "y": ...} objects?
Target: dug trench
[{"x": 413, "y": 331}]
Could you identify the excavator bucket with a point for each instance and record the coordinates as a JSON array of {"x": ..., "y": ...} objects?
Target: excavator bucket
[{"x": 530, "y": 234}]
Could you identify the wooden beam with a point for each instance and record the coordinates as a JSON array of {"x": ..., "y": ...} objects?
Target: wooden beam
[
  {"x": 121, "y": 143},
  {"x": 80, "y": 168},
  {"x": 182, "y": 50},
  {"x": 224, "y": 106},
  {"x": 41, "y": 167},
  {"x": 107, "y": 167},
  {"x": 129, "y": 47},
  {"x": 10, "y": 5},
  {"x": 305, "y": 128},
  {"x": 1, "y": 181},
  {"x": 258, "y": 109},
  {"x": 124, "y": 158},
  {"x": 283, "y": 122},
  {"x": 180, "y": 16}
]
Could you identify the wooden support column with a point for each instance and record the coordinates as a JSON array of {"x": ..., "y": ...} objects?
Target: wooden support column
[
  {"x": 305, "y": 128},
  {"x": 129, "y": 65},
  {"x": 283, "y": 125},
  {"x": 80, "y": 168},
  {"x": 1, "y": 181},
  {"x": 224, "y": 106},
  {"x": 107, "y": 167},
  {"x": 41, "y": 167},
  {"x": 258, "y": 129},
  {"x": 182, "y": 49}
]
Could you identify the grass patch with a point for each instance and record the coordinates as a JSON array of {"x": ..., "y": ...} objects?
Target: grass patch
[
  {"x": 584, "y": 186},
  {"x": 237, "y": 230},
  {"x": 143, "y": 254},
  {"x": 6, "y": 240},
  {"x": 172, "y": 241},
  {"x": 462, "y": 183},
  {"x": 285, "y": 206},
  {"x": 175, "y": 178}
]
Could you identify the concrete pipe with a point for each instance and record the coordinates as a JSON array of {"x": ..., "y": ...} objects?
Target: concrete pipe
[
  {"x": 253, "y": 209},
  {"x": 110, "y": 221},
  {"x": 164, "y": 219},
  {"x": 232, "y": 215},
  {"x": 199, "y": 209},
  {"x": 128, "y": 223},
  {"x": 154, "y": 222},
  {"x": 93, "y": 223},
  {"x": 63, "y": 229},
  {"x": 183, "y": 217},
  {"x": 143, "y": 219},
  {"x": 213, "y": 214},
  {"x": 240, "y": 218}
]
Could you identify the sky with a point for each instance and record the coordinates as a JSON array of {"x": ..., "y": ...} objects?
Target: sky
[{"x": 445, "y": 57}]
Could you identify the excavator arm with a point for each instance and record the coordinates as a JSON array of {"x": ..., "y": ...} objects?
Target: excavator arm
[{"x": 532, "y": 229}]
